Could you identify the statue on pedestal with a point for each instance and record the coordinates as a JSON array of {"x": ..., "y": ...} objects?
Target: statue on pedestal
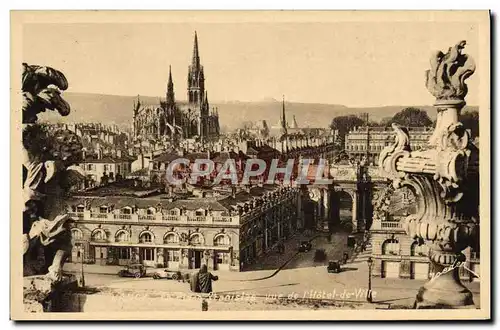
[
  {"x": 46, "y": 178},
  {"x": 445, "y": 177}
]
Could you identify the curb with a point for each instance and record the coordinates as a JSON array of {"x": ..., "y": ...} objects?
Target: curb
[{"x": 282, "y": 266}]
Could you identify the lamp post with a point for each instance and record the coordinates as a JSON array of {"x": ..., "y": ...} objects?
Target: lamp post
[
  {"x": 81, "y": 260},
  {"x": 369, "y": 297}
]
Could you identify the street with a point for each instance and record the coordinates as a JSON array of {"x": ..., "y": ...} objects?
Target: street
[{"x": 302, "y": 278}]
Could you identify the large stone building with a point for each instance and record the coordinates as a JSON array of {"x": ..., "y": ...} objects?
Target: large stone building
[
  {"x": 171, "y": 119},
  {"x": 370, "y": 141},
  {"x": 126, "y": 222},
  {"x": 397, "y": 255}
]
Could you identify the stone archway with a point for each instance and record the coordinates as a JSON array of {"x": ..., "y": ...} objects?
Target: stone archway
[{"x": 344, "y": 209}]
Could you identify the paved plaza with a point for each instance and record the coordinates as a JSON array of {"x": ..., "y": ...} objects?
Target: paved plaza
[{"x": 295, "y": 280}]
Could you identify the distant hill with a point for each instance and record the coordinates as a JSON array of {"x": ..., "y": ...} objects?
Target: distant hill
[{"x": 114, "y": 109}]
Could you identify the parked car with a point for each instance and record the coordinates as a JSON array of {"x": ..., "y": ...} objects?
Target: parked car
[
  {"x": 333, "y": 266},
  {"x": 320, "y": 255},
  {"x": 168, "y": 274},
  {"x": 305, "y": 246},
  {"x": 134, "y": 270}
]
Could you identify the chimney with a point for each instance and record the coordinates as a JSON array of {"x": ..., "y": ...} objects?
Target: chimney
[
  {"x": 99, "y": 153},
  {"x": 119, "y": 153},
  {"x": 84, "y": 153},
  {"x": 233, "y": 191}
]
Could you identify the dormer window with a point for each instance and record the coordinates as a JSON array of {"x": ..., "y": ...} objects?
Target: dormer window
[
  {"x": 146, "y": 238},
  {"x": 103, "y": 209},
  {"x": 80, "y": 209}
]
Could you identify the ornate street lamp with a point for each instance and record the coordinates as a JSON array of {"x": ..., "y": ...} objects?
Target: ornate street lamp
[
  {"x": 369, "y": 297},
  {"x": 445, "y": 177}
]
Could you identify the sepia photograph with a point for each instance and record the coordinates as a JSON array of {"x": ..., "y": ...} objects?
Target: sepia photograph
[{"x": 250, "y": 165}]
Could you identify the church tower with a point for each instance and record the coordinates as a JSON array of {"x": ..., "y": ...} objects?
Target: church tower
[
  {"x": 170, "y": 90},
  {"x": 196, "y": 77}
]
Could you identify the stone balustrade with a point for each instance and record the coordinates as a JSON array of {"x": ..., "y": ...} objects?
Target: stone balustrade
[{"x": 156, "y": 218}]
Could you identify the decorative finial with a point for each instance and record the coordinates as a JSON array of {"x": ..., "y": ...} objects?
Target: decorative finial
[{"x": 446, "y": 77}]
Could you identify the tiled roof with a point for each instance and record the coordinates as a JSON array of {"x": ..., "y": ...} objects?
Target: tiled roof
[
  {"x": 166, "y": 157},
  {"x": 106, "y": 160}
]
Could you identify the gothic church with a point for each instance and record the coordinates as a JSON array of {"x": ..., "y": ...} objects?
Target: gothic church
[{"x": 171, "y": 120}]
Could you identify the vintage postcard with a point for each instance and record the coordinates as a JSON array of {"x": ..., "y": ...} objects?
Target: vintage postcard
[{"x": 264, "y": 165}]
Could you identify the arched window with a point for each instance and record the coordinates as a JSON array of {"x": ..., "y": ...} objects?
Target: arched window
[
  {"x": 122, "y": 236},
  {"x": 146, "y": 237},
  {"x": 222, "y": 240},
  {"x": 419, "y": 249},
  {"x": 390, "y": 246},
  {"x": 76, "y": 234},
  {"x": 171, "y": 238},
  {"x": 196, "y": 239},
  {"x": 99, "y": 235}
]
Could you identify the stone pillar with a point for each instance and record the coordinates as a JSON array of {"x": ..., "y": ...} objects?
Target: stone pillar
[
  {"x": 326, "y": 203},
  {"x": 355, "y": 211}
]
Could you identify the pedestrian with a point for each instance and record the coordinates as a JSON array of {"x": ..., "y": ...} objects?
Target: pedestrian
[
  {"x": 346, "y": 256},
  {"x": 201, "y": 282}
]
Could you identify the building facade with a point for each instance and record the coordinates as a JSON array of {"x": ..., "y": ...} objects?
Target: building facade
[
  {"x": 223, "y": 231},
  {"x": 368, "y": 142},
  {"x": 172, "y": 120},
  {"x": 397, "y": 255}
]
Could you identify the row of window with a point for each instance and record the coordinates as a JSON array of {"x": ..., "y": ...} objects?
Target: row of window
[
  {"x": 128, "y": 210},
  {"x": 107, "y": 167},
  {"x": 147, "y": 237},
  {"x": 392, "y": 246}
]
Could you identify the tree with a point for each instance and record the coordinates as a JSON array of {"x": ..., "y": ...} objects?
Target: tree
[
  {"x": 411, "y": 117},
  {"x": 471, "y": 121},
  {"x": 344, "y": 124}
]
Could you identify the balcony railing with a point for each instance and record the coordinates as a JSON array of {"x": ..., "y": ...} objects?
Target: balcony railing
[
  {"x": 99, "y": 215},
  {"x": 123, "y": 216},
  {"x": 76, "y": 215},
  {"x": 391, "y": 225},
  {"x": 222, "y": 219},
  {"x": 196, "y": 219},
  {"x": 171, "y": 218},
  {"x": 148, "y": 217}
]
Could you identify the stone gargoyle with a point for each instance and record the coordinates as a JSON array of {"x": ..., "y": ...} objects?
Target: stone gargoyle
[{"x": 46, "y": 178}]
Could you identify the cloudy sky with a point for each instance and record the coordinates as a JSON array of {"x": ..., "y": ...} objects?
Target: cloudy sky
[{"x": 351, "y": 63}]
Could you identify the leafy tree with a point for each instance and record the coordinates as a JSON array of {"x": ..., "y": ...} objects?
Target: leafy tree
[
  {"x": 411, "y": 117},
  {"x": 344, "y": 124},
  {"x": 471, "y": 121}
]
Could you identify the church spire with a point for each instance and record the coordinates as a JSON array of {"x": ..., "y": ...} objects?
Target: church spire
[
  {"x": 294, "y": 123},
  {"x": 283, "y": 119},
  {"x": 196, "y": 56},
  {"x": 196, "y": 77},
  {"x": 170, "y": 88}
]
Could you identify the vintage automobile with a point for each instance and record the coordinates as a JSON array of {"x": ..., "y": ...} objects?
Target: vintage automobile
[
  {"x": 333, "y": 266},
  {"x": 168, "y": 274},
  {"x": 133, "y": 270},
  {"x": 305, "y": 246}
]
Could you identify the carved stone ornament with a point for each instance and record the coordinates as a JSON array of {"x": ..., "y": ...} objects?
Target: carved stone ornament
[{"x": 445, "y": 180}]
